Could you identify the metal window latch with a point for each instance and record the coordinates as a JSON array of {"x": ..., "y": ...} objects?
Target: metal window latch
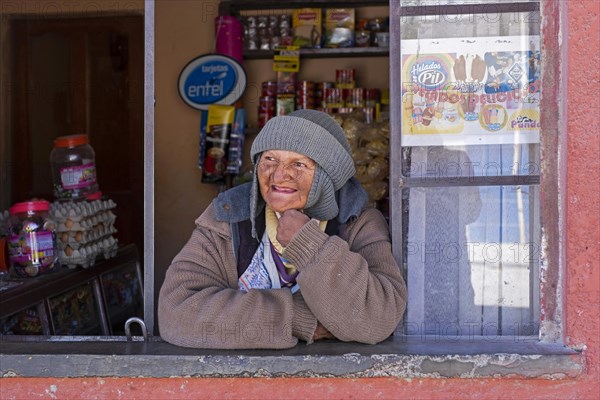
[{"x": 142, "y": 325}]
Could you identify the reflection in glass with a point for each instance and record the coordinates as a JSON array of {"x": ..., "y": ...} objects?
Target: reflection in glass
[{"x": 471, "y": 256}]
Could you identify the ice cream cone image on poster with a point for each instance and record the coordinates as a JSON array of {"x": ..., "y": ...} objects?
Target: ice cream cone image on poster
[
  {"x": 493, "y": 117},
  {"x": 469, "y": 106}
]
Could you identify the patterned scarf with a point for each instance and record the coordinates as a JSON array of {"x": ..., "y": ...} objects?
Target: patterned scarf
[{"x": 268, "y": 268}]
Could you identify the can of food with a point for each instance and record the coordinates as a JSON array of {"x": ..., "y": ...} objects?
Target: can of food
[
  {"x": 369, "y": 114},
  {"x": 266, "y": 110},
  {"x": 371, "y": 97},
  {"x": 305, "y": 103},
  {"x": 355, "y": 97},
  {"x": 320, "y": 88},
  {"x": 269, "y": 89},
  {"x": 305, "y": 95},
  {"x": 344, "y": 78},
  {"x": 333, "y": 98}
]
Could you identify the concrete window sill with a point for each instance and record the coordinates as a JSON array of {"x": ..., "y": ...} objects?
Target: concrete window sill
[{"x": 399, "y": 356}]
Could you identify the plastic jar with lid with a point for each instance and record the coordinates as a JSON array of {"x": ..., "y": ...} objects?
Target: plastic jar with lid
[
  {"x": 31, "y": 240},
  {"x": 73, "y": 168}
]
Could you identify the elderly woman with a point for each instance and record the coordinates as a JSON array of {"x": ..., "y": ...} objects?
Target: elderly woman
[{"x": 293, "y": 255}]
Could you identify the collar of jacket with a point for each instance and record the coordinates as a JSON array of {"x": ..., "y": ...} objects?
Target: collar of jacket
[{"x": 233, "y": 205}]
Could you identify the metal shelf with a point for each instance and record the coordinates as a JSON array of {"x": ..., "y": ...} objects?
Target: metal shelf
[
  {"x": 232, "y": 7},
  {"x": 324, "y": 53}
]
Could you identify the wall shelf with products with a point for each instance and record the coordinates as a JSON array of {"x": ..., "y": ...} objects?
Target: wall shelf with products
[{"x": 350, "y": 48}]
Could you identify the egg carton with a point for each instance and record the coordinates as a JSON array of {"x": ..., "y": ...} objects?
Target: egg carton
[
  {"x": 68, "y": 224},
  {"x": 86, "y": 255},
  {"x": 79, "y": 239},
  {"x": 85, "y": 235},
  {"x": 76, "y": 211}
]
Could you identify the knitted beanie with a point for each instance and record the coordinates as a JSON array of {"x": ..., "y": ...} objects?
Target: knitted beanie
[{"x": 318, "y": 136}]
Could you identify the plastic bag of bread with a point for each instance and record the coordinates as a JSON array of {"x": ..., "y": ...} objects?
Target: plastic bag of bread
[
  {"x": 361, "y": 157},
  {"x": 376, "y": 190},
  {"x": 377, "y": 148},
  {"x": 353, "y": 128},
  {"x": 362, "y": 174},
  {"x": 378, "y": 169}
]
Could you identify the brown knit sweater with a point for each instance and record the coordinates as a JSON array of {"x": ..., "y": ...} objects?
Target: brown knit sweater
[{"x": 351, "y": 284}]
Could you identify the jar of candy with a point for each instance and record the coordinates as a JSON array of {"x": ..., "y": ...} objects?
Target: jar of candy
[
  {"x": 31, "y": 240},
  {"x": 73, "y": 168}
]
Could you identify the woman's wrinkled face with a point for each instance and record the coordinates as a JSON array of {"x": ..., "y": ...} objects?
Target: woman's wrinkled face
[{"x": 285, "y": 178}]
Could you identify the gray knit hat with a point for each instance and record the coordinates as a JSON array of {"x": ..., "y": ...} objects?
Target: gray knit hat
[{"x": 318, "y": 136}]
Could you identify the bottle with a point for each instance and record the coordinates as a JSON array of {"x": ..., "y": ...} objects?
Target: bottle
[
  {"x": 73, "y": 168},
  {"x": 31, "y": 239}
]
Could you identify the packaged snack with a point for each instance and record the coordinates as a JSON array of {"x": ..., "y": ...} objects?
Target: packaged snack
[
  {"x": 236, "y": 142},
  {"x": 285, "y": 104},
  {"x": 286, "y": 82},
  {"x": 306, "y": 23},
  {"x": 339, "y": 27},
  {"x": 216, "y": 130},
  {"x": 362, "y": 36}
]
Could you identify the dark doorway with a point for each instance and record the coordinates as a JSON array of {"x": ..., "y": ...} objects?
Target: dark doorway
[{"x": 81, "y": 75}]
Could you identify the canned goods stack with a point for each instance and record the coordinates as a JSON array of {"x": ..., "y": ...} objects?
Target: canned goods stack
[
  {"x": 266, "y": 32},
  {"x": 371, "y": 97},
  {"x": 334, "y": 98},
  {"x": 305, "y": 95},
  {"x": 321, "y": 91},
  {"x": 345, "y": 78},
  {"x": 340, "y": 97},
  {"x": 355, "y": 98},
  {"x": 266, "y": 102}
]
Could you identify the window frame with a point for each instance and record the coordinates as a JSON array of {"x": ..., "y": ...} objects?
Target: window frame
[
  {"x": 552, "y": 176},
  {"x": 399, "y": 356}
]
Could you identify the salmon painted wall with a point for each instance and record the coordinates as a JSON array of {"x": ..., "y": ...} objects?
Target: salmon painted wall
[{"x": 582, "y": 291}]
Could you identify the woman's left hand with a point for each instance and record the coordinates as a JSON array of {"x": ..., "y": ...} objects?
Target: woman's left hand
[{"x": 290, "y": 223}]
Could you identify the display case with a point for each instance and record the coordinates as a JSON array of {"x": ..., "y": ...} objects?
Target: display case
[{"x": 87, "y": 301}]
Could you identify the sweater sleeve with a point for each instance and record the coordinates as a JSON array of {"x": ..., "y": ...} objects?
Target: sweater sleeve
[
  {"x": 200, "y": 305},
  {"x": 354, "y": 287}
]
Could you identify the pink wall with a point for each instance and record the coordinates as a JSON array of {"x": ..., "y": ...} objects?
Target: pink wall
[{"x": 582, "y": 288}]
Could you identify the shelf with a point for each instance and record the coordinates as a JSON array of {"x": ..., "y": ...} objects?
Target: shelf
[
  {"x": 324, "y": 53},
  {"x": 232, "y": 7}
]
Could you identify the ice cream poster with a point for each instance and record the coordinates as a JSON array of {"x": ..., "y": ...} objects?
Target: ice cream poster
[{"x": 469, "y": 91}]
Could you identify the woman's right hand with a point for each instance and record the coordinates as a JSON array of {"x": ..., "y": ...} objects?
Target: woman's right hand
[{"x": 290, "y": 223}]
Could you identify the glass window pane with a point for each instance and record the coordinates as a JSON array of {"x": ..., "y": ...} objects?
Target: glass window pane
[
  {"x": 488, "y": 23},
  {"x": 471, "y": 255},
  {"x": 489, "y": 161}
]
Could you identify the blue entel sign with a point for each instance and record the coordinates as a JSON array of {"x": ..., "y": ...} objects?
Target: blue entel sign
[{"x": 212, "y": 79}]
